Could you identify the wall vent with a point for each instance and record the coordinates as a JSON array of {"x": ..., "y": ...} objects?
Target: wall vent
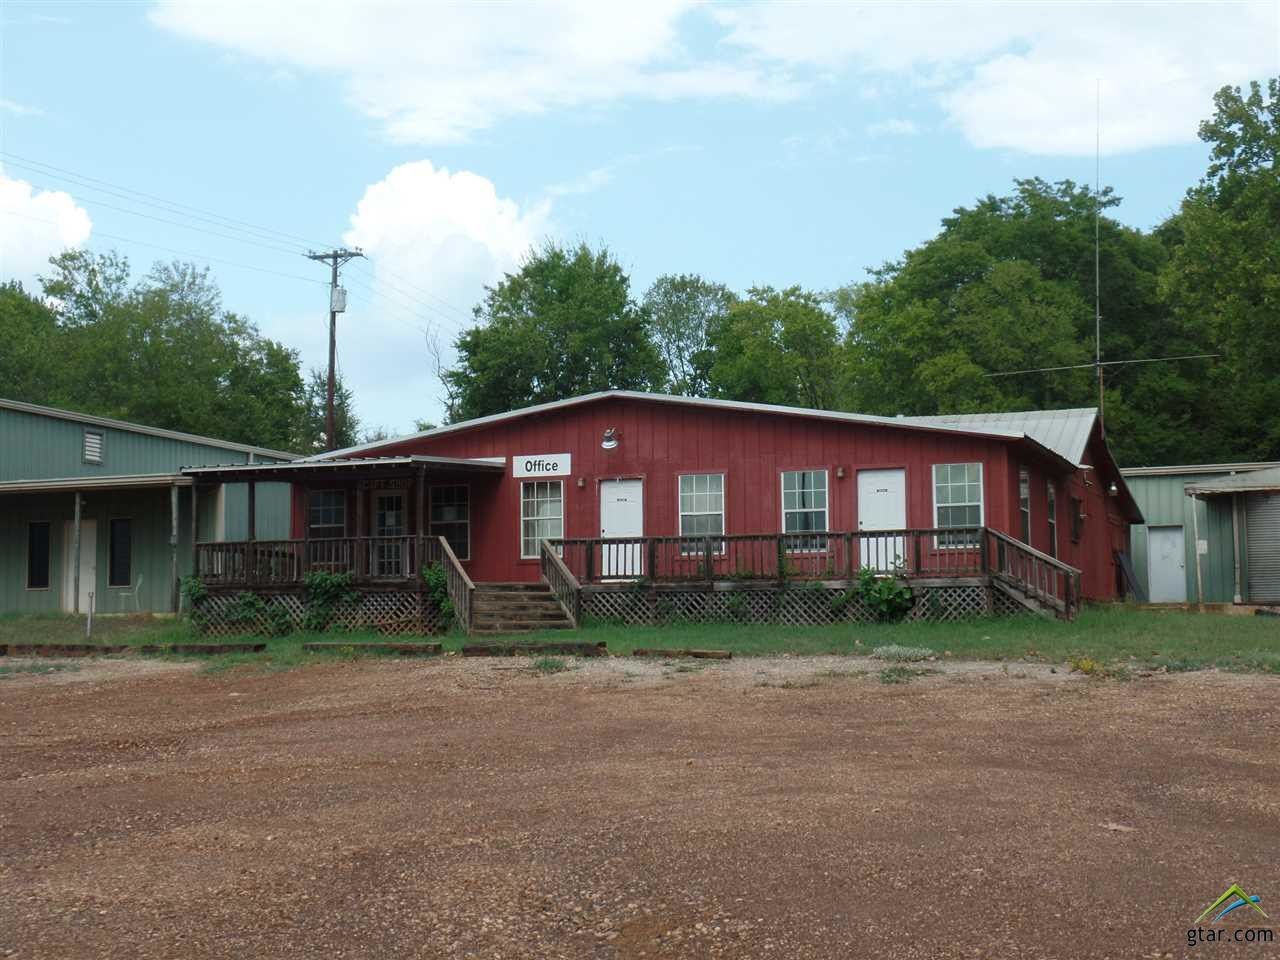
[{"x": 92, "y": 446}]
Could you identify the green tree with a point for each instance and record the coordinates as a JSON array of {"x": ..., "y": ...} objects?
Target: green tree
[
  {"x": 563, "y": 324},
  {"x": 776, "y": 347},
  {"x": 1223, "y": 280},
  {"x": 315, "y": 405},
  {"x": 29, "y": 365},
  {"x": 685, "y": 309}
]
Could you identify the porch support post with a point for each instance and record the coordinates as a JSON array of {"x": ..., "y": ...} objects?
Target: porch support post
[
  {"x": 75, "y": 557},
  {"x": 195, "y": 530},
  {"x": 1195, "y": 532},
  {"x": 306, "y": 528},
  {"x": 173, "y": 545},
  {"x": 363, "y": 547},
  {"x": 252, "y": 559},
  {"x": 420, "y": 511},
  {"x": 1235, "y": 545}
]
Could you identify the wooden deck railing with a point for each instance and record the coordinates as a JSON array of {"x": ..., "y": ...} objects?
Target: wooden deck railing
[
  {"x": 561, "y": 580},
  {"x": 826, "y": 555},
  {"x": 277, "y": 562},
  {"x": 461, "y": 589},
  {"x": 1047, "y": 579}
]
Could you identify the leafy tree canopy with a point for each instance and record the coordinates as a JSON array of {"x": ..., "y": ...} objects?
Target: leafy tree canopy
[{"x": 685, "y": 309}]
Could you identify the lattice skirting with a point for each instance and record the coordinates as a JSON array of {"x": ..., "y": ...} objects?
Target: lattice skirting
[
  {"x": 795, "y": 604},
  {"x": 389, "y": 612}
]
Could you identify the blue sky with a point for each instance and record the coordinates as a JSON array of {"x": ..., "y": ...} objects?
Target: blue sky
[{"x": 753, "y": 144}]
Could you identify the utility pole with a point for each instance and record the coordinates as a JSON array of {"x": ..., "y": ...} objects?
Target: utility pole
[{"x": 337, "y": 305}]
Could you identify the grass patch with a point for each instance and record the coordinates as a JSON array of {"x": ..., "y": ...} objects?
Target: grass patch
[
  {"x": 901, "y": 674},
  {"x": 8, "y": 670},
  {"x": 549, "y": 665},
  {"x": 900, "y": 654}
]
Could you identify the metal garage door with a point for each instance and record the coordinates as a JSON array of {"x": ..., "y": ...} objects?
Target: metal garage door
[{"x": 1263, "y": 528}]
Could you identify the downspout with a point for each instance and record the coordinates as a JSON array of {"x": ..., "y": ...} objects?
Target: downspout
[
  {"x": 1195, "y": 532},
  {"x": 1235, "y": 544}
]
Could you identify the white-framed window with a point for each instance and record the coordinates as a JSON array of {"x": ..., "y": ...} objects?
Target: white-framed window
[
  {"x": 327, "y": 514},
  {"x": 804, "y": 508},
  {"x": 701, "y": 509},
  {"x": 93, "y": 444},
  {"x": 1024, "y": 504},
  {"x": 1051, "y": 512},
  {"x": 541, "y": 515},
  {"x": 451, "y": 517},
  {"x": 957, "y": 501}
]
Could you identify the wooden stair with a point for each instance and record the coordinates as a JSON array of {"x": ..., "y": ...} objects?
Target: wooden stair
[{"x": 498, "y": 608}]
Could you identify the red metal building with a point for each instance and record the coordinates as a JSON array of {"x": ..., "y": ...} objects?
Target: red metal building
[{"x": 624, "y": 464}]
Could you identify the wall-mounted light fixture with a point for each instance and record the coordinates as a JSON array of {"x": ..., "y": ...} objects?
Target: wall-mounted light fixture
[
  {"x": 1113, "y": 489},
  {"x": 610, "y": 438},
  {"x": 839, "y": 473},
  {"x": 582, "y": 482}
]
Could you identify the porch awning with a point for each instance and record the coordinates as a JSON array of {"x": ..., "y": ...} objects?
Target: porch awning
[
  {"x": 301, "y": 470},
  {"x": 1250, "y": 480},
  {"x": 117, "y": 482}
]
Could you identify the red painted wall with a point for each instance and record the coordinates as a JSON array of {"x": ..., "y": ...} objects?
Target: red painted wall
[{"x": 660, "y": 441}]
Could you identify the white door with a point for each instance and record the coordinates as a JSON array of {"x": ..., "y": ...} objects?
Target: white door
[
  {"x": 1166, "y": 565},
  {"x": 88, "y": 564},
  {"x": 621, "y": 515},
  {"x": 882, "y": 505}
]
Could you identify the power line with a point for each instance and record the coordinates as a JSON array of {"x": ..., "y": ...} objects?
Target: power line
[
  {"x": 35, "y": 164},
  {"x": 1102, "y": 363},
  {"x": 181, "y": 253},
  {"x": 337, "y": 304}
]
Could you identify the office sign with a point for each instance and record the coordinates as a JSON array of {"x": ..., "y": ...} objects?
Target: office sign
[{"x": 541, "y": 465}]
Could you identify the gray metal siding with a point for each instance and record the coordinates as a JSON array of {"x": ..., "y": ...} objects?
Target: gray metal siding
[
  {"x": 1164, "y": 502},
  {"x": 1262, "y": 525},
  {"x": 34, "y": 447}
]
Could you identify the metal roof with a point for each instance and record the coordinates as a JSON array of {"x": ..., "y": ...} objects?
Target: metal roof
[
  {"x": 120, "y": 481},
  {"x": 1001, "y": 425},
  {"x": 39, "y": 411},
  {"x": 1065, "y": 432},
  {"x": 1197, "y": 468},
  {"x": 1238, "y": 483},
  {"x": 480, "y": 463}
]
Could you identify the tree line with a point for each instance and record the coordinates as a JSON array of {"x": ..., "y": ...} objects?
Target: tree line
[{"x": 1007, "y": 284}]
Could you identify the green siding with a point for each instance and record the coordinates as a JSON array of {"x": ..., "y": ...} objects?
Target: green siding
[
  {"x": 34, "y": 447},
  {"x": 273, "y": 500},
  {"x": 1163, "y": 502},
  {"x": 151, "y": 557}
]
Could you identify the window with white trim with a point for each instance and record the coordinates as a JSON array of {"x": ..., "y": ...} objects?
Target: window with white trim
[
  {"x": 1024, "y": 504},
  {"x": 701, "y": 509},
  {"x": 93, "y": 444},
  {"x": 957, "y": 501},
  {"x": 541, "y": 515},
  {"x": 327, "y": 514},
  {"x": 451, "y": 517},
  {"x": 1051, "y": 512},
  {"x": 804, "y": 508}
]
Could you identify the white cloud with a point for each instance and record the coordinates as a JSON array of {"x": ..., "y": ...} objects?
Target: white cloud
[
  {"x": 436, "y": 73},
  {"x": 893, "y": 127},
  {"x": 19, "y": 109},
  {"x": 34, "y": 226},
  {"x": 1022, "y": 76},
  {"x": 434, "y": 239}
]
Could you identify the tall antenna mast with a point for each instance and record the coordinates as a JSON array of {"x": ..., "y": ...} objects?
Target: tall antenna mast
[{"x": 1097, "y": 251}]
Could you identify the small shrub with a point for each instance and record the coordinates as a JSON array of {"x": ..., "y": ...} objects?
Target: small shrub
[
  {"x": 323, "y": 592},
  {"x": 900, "y": 674},
  {"x": 888, "y": 598},
  {"x": 437, "y": 583},
  {"x": 901, "y": 654},
  {"x": 1086, "y": 665},
  {"x": 736, "y": 604},
  {"x": 549, "y": 665}
]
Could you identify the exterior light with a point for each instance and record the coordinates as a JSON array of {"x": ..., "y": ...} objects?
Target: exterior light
[
  {"x": 610, "y": 439},
  {"x": 1113, "y": 489},
  {"x": 839, "y": 473},
  {"x": 581, "y": 482}
]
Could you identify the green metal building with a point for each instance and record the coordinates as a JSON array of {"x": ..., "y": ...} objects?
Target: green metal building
[
  {"x": 121, "y": 481},
  {"x": 1212, "y": 532}
]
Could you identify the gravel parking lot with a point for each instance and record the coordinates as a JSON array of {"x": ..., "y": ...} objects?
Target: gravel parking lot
[{"x": 789, "y": 807}]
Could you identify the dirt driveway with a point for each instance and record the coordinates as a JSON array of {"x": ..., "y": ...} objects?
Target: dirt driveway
[{"x": 753, "y": 809}]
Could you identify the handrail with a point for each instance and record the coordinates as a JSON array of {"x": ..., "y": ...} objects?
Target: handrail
[
  {"x": 459, "y": 584},
  {"x": 1051, "y": 581},
  {"x": 557, "y": 575},
  {"x": 1039, "y": 555}
]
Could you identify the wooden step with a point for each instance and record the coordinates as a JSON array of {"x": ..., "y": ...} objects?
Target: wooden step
[
  {"x": 495, "y": 627},
  {"x": 550, "y": 613}
]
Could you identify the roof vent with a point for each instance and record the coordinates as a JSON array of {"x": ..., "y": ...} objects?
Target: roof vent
[{"x": 92, "y": 446}]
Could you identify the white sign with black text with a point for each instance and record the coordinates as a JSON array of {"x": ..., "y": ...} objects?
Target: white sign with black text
[{"x": 541, "y": 465}]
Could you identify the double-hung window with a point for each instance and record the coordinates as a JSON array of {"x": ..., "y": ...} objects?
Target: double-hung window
[
  {"x": 701, "y": 510},
  {"x": 1051, "y": 512},
  {"x": 1024, "y": 504},
  {"x": 451, "y": 518},
  {"x": 804, "y": 508},
  {"x": 541, "y": 515},
  {"x": 327, "y": 514},
  {"x": 957, "y": 501}
]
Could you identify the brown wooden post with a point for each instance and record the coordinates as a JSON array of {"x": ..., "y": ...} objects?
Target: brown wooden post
[
  {"x": 361, "y": 546},
  {"x": 782, "y": 558},
  {"x": 916, "y": 538},
  {"x": 848, "y": 555},
  {"x": 195, "y": 530},
  {"x": 420, "y": 508},
  {"x": 306, "y": 528},
  {"x": 252, "y": 560},
  {"x": 653, "y": 558},
  {"x": 982, "y": 551},
  {"x": 591, "y": 560},
  {"x": 173, "y": 545},
  {"x": 706, "y": 559}
]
